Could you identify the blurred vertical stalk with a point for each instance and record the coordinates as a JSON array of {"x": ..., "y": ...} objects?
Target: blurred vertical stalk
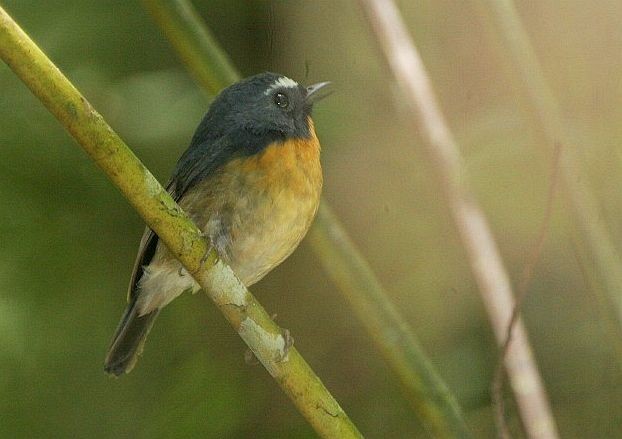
[
  {"x": 405, "y": 62},
  {"x": 351, "y": 272},
  {"x": 434, "y": 404},
  {"x": 194, "y": 43},
  {"x": 546, "y": 113},
  {"x": 176, "y": 230}
]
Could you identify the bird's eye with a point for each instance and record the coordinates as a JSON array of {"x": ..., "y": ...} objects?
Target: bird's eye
[{"x": 281, "y": 100}]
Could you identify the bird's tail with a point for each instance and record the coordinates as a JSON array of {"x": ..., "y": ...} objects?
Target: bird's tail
[{"x": 129, "y": 340}]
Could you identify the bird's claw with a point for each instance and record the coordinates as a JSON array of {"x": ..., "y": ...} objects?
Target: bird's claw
[
  {"x": 288, "y": 343},
  {"x": 250, "y": 358}
]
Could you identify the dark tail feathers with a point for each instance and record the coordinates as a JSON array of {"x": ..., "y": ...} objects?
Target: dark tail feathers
[{"x": 129, "y": 340}]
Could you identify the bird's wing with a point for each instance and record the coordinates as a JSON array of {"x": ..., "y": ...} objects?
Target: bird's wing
[
  {"x": 146, "y": 249},
  {"x": 198, "y": 162}
]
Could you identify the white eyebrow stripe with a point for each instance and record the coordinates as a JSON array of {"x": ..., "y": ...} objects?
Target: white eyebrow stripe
[{"x": 282, "y": 82}]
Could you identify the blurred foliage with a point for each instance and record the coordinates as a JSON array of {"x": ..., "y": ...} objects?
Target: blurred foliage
[{"x": 68, "y": 238}]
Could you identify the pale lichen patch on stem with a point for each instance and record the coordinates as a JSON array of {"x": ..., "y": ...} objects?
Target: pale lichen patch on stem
[
  {"x": 224, "y": 287},
  {"x": 152, "y": 187}
]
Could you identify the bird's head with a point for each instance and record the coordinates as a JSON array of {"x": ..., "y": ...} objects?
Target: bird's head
[{"x": 260, "y": 110}]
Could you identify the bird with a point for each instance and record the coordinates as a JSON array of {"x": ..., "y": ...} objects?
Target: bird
[{"x": 251, "y": 181}]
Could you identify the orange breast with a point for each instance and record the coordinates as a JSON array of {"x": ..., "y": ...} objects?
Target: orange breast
[
  {"x": 271, "y": 200},
  {"x": 293, "y": 165}
]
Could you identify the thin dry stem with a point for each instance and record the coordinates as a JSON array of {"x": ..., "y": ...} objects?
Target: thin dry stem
[
  {"x": 523, "y": 288},
  {"x": 489, "y": 272},
  {"x": 588, "y": 221}
]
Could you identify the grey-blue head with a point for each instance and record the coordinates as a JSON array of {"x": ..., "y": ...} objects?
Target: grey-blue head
[{"x": 267, "y": 106}]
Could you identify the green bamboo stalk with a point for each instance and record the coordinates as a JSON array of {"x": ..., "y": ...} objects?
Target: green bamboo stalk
[
  {"x": 430, "y": 398},
  {"x": 545, "y": 110},
  {"x": 194, "y": 43},
  {"x": 427, "y": 392},
  {"x": 267, "y": 341}
]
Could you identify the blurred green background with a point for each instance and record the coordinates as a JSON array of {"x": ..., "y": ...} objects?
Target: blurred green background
[{"x": 68, "y": 239}]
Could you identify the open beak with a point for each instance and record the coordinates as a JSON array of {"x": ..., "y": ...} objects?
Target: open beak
[{"x": 317, "y": 91}]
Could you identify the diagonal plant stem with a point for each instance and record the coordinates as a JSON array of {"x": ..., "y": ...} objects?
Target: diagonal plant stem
[
  {"x": 194, "y": 43},
  {"x": 389, "y": 330},
  {"x": 428, "y": 394},
  {"x": 494, "y": 285},
  {"x": 588, "y": 220},
  {"x": 523, "y": 288},
  {"x": 178, "y": 232},
  {"x": 544, "y": 108}
]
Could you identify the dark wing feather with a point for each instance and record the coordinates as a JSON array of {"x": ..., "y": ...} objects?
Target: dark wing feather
[{"x": 146, "y": 249}]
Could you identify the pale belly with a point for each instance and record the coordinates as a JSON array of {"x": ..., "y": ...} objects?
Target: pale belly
[{"x": 266, "y": 234}]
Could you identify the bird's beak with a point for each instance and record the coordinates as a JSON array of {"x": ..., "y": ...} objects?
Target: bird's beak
[{"x": 313, "y": 92}]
